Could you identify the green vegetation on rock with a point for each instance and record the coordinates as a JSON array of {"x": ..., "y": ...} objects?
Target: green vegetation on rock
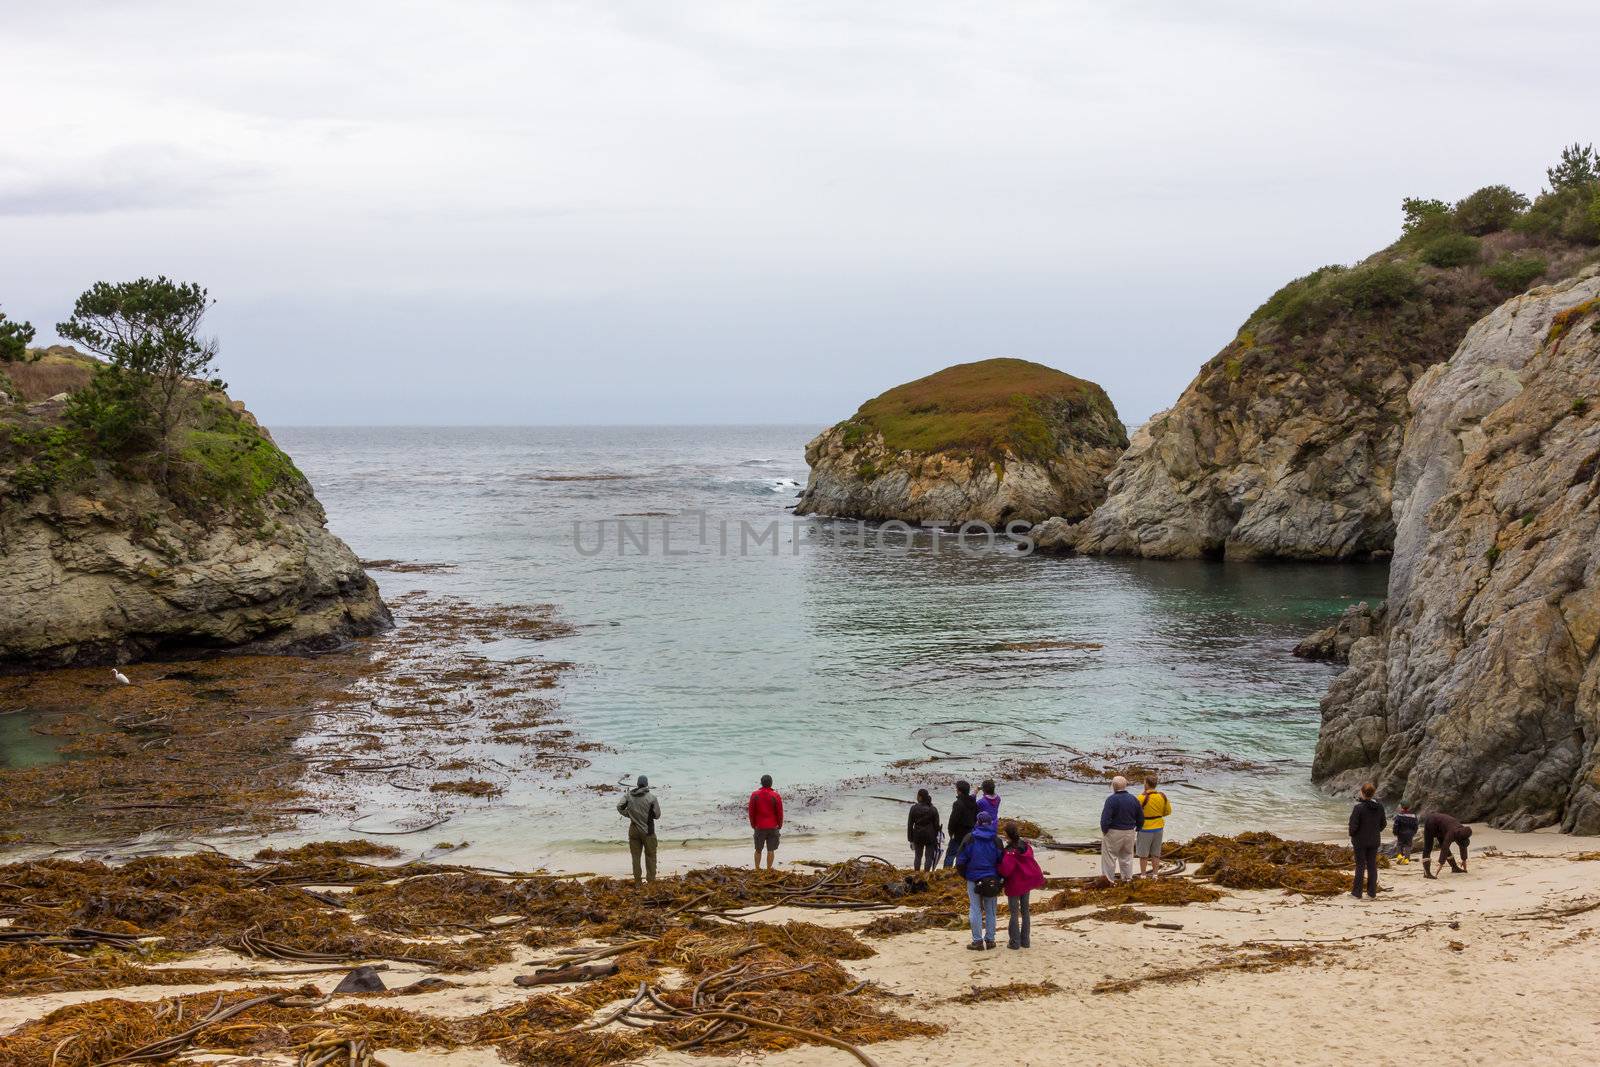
[
  {"x": 149, "y": 413},
  {"x": 988, "y": 407}
]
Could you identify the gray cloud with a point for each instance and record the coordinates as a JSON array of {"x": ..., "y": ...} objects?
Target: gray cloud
[
  {"x": 733, "y": 211},
  {"x": 137, "y": 177}
]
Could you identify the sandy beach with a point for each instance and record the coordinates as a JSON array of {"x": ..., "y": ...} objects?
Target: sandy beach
[{"x": 1488, "y": 966}]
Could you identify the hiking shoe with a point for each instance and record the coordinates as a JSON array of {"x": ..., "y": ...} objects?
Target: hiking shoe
[
  {"x": 976, "y": 946},
  {"x": 988, "y": 944}
]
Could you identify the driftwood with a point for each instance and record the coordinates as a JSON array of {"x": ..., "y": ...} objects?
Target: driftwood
[{"x": 579, "y": 972}]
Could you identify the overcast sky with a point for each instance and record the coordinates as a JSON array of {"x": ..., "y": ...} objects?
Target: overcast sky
[{"x": 522, "y": 212}]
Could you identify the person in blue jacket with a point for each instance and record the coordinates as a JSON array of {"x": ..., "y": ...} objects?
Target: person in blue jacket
[
  {"x": 1120, "y": 822},
  {"x": 979, "y": 863}
]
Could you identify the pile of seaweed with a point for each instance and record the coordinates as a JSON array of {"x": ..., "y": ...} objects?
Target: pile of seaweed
[
  {"x": 1170, "y": 892},
  {"x": 695, "y": 983},
  {"x": 1260, "y": 860},
  {"x": 714, "y": 980},
  {"x": 1266, "y": 861}
]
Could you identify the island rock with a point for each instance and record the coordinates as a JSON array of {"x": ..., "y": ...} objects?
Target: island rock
[{"x": 997, "y": 441}]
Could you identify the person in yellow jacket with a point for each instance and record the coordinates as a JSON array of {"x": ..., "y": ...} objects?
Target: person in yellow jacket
[{"x": 1156, "y": 809}]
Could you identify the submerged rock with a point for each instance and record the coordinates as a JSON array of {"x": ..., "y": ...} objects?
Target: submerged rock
[
  {"x": 1480, "y": 692},
  {"x": 1332, "y": 645},
  {"x": 101, "y": 563},
  {"x": 995, "y": 441}
]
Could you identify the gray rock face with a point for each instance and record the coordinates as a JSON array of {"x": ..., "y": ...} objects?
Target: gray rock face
[
  {"x": 111, "y": 574},
  {"x": 943, "y": 487},
  {"x": 1291, "y": 468},
  {"x": 1480, "y": 692}
]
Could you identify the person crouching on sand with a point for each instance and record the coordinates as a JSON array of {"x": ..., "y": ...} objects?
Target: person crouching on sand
[
  {"x": 1448, "y": 831},
  {"x": 922, "y": 832},
  {"x": 642, "y": 810},
  {"x": 1148, "y": 846},
  {"x": 1366, "y": 835},
  {"x": 963, "y": 818},
  {"x": 1022, "y": 876},
  {"x": 979, "y": 863},
  {"x": 1120, "y": 821},
  {"x": 1405, "y": 833},
  {"x": 766, "y": 819}
]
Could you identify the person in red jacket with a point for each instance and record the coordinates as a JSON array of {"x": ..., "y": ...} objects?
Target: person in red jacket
[{"x": 766, "y": 819}]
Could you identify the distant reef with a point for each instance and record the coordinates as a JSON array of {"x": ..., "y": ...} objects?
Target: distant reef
[
  {"x": 997, "y": 441},
  {"x": 103, "y": 562},
  {"x": 1285, "y": 444},
  {"x": 1477, "y": 689}
]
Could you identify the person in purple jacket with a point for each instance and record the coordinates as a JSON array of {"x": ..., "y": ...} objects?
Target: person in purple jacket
[{"x": 988, "y": 800}]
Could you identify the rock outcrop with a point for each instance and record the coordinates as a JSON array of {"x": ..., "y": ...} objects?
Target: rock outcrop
[
  {"x": 1284, "y": 446},
  {"x": 100, "y": 566},
  {"x": 1333, "y": 644},
  {"x": 1480, "y": 692},
  {"x": 995, "y": 441}
]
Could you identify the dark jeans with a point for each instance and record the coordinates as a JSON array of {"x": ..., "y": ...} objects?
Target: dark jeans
[
  {"x": 1020, "y": 912},
  {"x": 1366, "y": 863},
  {"x": 1404, "y": 845},
  {"x": 950, "y": 853},
  {"x": 923, "y": 857}
]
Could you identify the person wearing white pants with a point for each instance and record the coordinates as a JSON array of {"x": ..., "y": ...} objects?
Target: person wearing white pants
[{"x": 1120, "y": 821}]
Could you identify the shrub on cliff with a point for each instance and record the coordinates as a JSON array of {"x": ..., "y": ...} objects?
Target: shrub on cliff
[
  {"x": 1451, "y": 250},
  {"x": 1513, "y": 274},
  {"x": 1489, "y": 210},
  {"x": 149, "y": 332},
  {"x": 1570, "y": 208},
  {"x": 14, "y": 338}
]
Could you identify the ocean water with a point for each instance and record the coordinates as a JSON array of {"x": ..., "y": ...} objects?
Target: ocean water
[{"x": 823, "y": 660}]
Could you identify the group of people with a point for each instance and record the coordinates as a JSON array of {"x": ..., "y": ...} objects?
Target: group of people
[
  {"x": 1367, "y": 822},
  {"x": 996, "y": 860}
]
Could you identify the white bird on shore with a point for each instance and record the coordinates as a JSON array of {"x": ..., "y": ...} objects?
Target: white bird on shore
[{"x": 122, "y": 679}]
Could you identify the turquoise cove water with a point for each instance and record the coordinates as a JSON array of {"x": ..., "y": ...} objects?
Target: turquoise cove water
[{"x": 820, "y": 659}]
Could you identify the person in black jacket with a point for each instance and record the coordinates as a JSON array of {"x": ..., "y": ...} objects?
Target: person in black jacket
[
  {"x": 922, "y": 831},
  {"x": 963, "y": 820},
  {"x": 1366, "y": 834}
]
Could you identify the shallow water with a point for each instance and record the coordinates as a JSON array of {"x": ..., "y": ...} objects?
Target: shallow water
[
  {"x": 825, "y": 661},
  {"x": 21, "y": 747}
]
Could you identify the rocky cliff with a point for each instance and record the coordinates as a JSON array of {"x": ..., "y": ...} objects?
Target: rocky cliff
[
  {"x": 995, "y": 441},
  {"x": 1284, "y": 446},
  {"x": 100, "y": 564},
  {"x": 1480, "y": 692}
]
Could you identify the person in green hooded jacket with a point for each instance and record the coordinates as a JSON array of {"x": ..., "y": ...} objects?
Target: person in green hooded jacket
[{"x": 642, "y": 810}]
